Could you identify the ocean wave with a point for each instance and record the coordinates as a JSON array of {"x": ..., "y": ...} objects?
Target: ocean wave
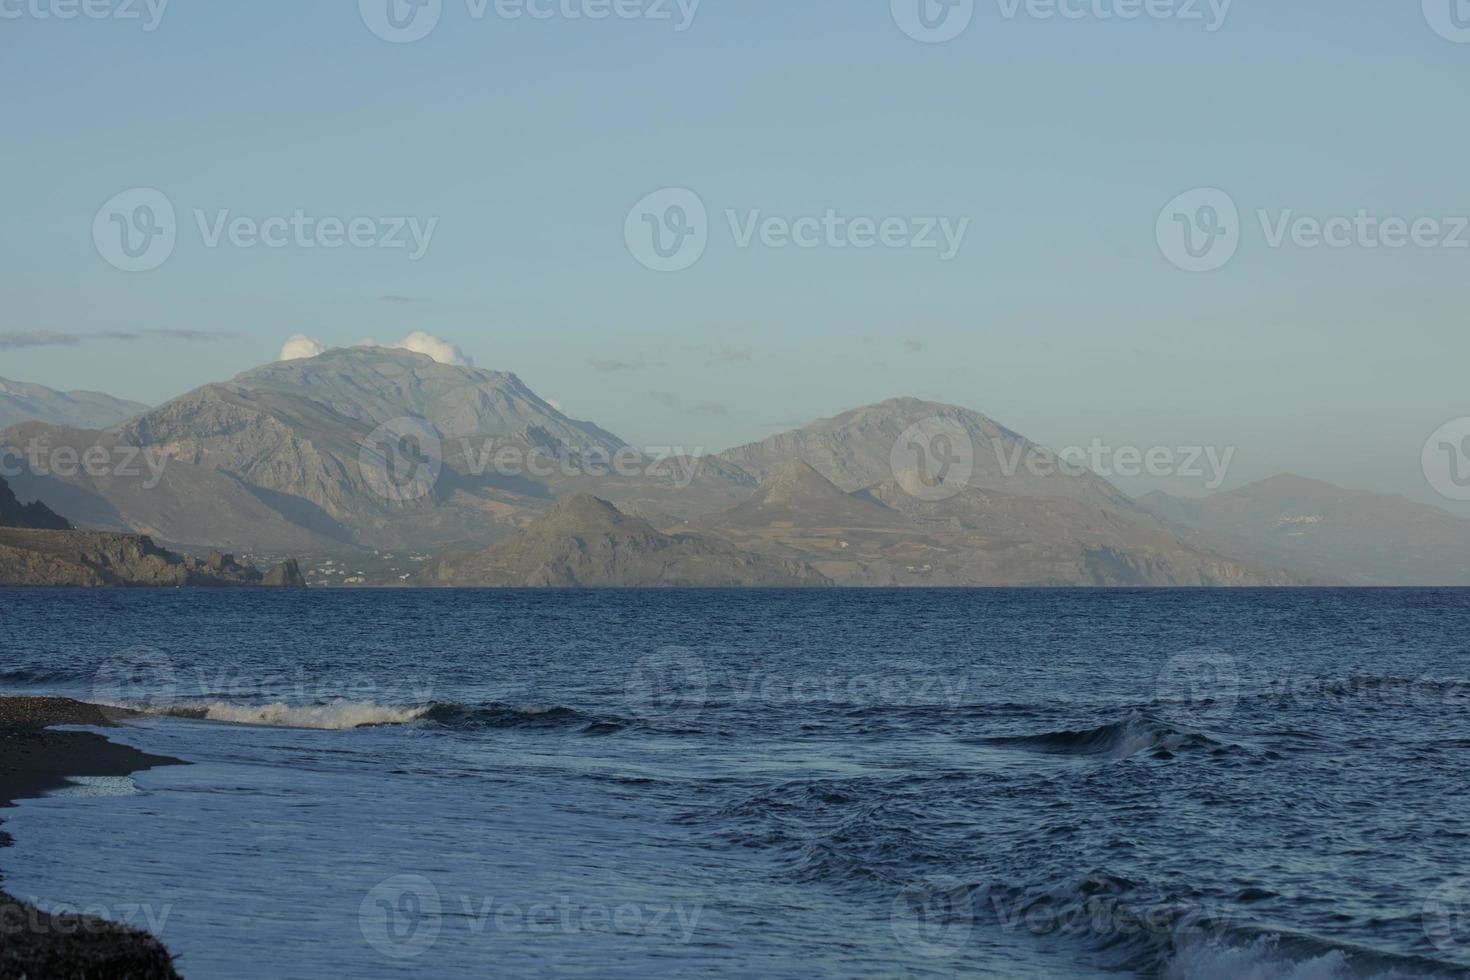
[
  {"x": 341, "y": 715},
  {"x": 1136, "y": 733},
  {"x": 23, "y": 676},
  {"x": 463, "y": 717},
  {"x": 1183, "y": 940},
  {"x": 327, "y": 717},
  {"x": 1270, "y": 957}
]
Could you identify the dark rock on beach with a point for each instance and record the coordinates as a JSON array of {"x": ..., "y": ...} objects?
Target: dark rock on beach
[{"x": 35, "y": 944}]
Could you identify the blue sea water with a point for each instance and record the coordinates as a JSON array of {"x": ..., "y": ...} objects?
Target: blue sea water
[{"x": 1211, "y": 784}]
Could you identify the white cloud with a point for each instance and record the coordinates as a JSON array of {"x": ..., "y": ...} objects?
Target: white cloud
[
  {"x": 301, "y": 346},
  {"x": 554, "y": 403},
  {"x": 436, "y": 347},
  {"x": 419, "y": 342}
]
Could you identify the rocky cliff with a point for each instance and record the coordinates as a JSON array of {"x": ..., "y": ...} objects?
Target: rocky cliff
[
  {"x": 13, "y": 513},
  {"x": 38, "y": 548},
  {"x": 38, "y": 558}
]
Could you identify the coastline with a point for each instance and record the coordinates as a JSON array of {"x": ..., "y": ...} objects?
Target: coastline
[{"x": 34, "y": 760}]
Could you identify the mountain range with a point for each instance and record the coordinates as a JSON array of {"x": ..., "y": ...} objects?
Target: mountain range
[
  {"x": 1321, "y": 529},
  {"x": 365, "y": 450},
  {"x": 83, "y": 409}
]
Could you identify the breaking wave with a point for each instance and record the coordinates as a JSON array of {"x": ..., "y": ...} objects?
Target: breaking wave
[
  {"x": 483, "y": 717},
  {"x": 1136, "y": 733},
  {"x": 1272, "y": 958},
  {"x": 1176, "y": 940},
  {"x": 341, "y": 715},
  {"x": 328, "y": 717}
]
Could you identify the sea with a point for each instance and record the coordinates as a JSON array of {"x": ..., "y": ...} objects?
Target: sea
[{"x": 1023, "y": 784}]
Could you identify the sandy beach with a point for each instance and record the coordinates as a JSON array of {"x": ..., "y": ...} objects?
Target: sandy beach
[{"x": 33, "y": 760}]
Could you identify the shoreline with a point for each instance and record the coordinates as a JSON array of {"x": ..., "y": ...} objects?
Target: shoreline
[{"x": 34, "y": 760}]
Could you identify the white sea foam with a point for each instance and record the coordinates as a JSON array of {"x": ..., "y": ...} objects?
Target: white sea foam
[
  {"x": 330, "y": 717},
  {"x": 1262, "y": 959}
]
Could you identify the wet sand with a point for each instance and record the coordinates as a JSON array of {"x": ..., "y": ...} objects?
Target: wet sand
[{"x": 34, "y": 760}]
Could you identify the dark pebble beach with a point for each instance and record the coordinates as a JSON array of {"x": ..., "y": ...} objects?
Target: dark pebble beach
[{"x": 35, "y": 759}]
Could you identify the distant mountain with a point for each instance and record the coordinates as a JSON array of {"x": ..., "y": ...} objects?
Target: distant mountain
[
  {"x": 1321, "y": 529},
  {"x": 584, "y": 542},
  {"x": 796, "y": 494},
  {"x": 854, "y": 450},
  {"x": 274, "y": 459},
  {"x": 80, "y": 409},
  {"x": 372, "y": 385},
  {"x": 884, "y": 536},
  {"x": 310, "y": 456}
]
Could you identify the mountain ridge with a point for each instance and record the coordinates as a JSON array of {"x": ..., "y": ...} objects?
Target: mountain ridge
[
  {"x": 28, "y": 402},
  {"x": 585, "y": 542},
  {"x": 312, "y": 456}
]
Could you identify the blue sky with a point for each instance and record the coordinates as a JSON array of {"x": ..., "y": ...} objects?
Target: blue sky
[{"x": 529, "y": 140}]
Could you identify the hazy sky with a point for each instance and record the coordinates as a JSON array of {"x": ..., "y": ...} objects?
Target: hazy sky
[{"x": 1060, "y": 140}]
